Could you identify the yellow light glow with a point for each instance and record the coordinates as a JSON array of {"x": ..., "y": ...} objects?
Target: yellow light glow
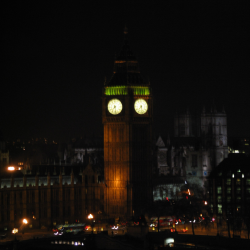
[
  {"x": 11, "y": 168},
  {"x": 25, "y": 221},
  {"x": 90, "y": 216},
  {"x": 15, "y": 230}
]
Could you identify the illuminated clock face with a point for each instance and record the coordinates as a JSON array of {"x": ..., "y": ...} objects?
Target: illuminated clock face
[
  {"x": 114, "y": 106},
  {"x": 141, "y": 106}
]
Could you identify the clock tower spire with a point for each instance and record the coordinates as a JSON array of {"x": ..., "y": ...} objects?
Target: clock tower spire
[{"x": 127, "y": 109}]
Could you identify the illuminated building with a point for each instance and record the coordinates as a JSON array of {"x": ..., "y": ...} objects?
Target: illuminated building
[
  {"x": 70, "y": 186},
  {"x": 198, "y": 146},
  {"x": 127, "y": 121},
  {"x": 67, "y": 186},
  {"x": 229, "y": 185},
  {"x": 49, "y": 195}
]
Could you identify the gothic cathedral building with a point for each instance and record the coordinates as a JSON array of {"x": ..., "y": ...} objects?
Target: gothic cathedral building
[
  {"x": 127, "y": 109},
  {"x": 186, "y": 160}
]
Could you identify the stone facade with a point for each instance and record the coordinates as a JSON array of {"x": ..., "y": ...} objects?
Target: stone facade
[
  {"x": 198, "y": 146},
  {"x": 49, "y": 195}
]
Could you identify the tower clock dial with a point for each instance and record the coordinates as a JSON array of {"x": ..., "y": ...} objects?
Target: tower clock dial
[
  {"x": 115, "y": 106},
  {"x": 141, "y": 106}
]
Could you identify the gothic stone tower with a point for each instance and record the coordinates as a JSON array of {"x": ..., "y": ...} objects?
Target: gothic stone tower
[{"x": 127, "y": 120}]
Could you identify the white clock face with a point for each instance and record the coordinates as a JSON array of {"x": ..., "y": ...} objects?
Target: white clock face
[
  {"x": 141, "y": 106},
  {"x": 114, "y": 106}
]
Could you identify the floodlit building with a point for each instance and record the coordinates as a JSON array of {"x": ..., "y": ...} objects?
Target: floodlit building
[
  {"x": 198, "y": 146},
  {"x": 50, "y": 195},
  {"x": 127, "y": 110}
]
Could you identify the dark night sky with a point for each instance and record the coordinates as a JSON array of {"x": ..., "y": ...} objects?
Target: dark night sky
[{"x": 57, "y": 54}]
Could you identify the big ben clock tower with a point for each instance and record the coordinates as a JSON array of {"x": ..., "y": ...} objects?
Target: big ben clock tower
[{"x": 127, "y": 120}]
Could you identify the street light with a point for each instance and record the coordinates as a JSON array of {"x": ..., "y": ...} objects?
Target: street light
[
  {"x": 90, "y": 217},
  {"x": 14, "y": 231},
  {"x": 25, "y": 222}
]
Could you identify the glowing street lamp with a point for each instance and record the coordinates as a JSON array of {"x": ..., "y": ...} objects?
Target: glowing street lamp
[
  {"x": 14, "y": 231},
  {"x": 90, "y": 217},
  {"x": 25, "y": 222}
]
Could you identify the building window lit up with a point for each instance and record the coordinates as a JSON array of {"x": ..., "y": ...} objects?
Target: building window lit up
[
  {"x": 219, "y": 209},
  {"x": 248, "y": 181},
  {"x": 219, "y": 199},
  {"x": 238, "y": 181},
  {"x": 218, "y": 190},
  {"x": 229, "y": 182}
]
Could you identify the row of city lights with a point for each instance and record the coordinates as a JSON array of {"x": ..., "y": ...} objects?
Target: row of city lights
[{"x": 12, "y": 168}]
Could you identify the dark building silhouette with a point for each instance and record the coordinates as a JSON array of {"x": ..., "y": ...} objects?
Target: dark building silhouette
[{"x": 229, "y": 185}]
